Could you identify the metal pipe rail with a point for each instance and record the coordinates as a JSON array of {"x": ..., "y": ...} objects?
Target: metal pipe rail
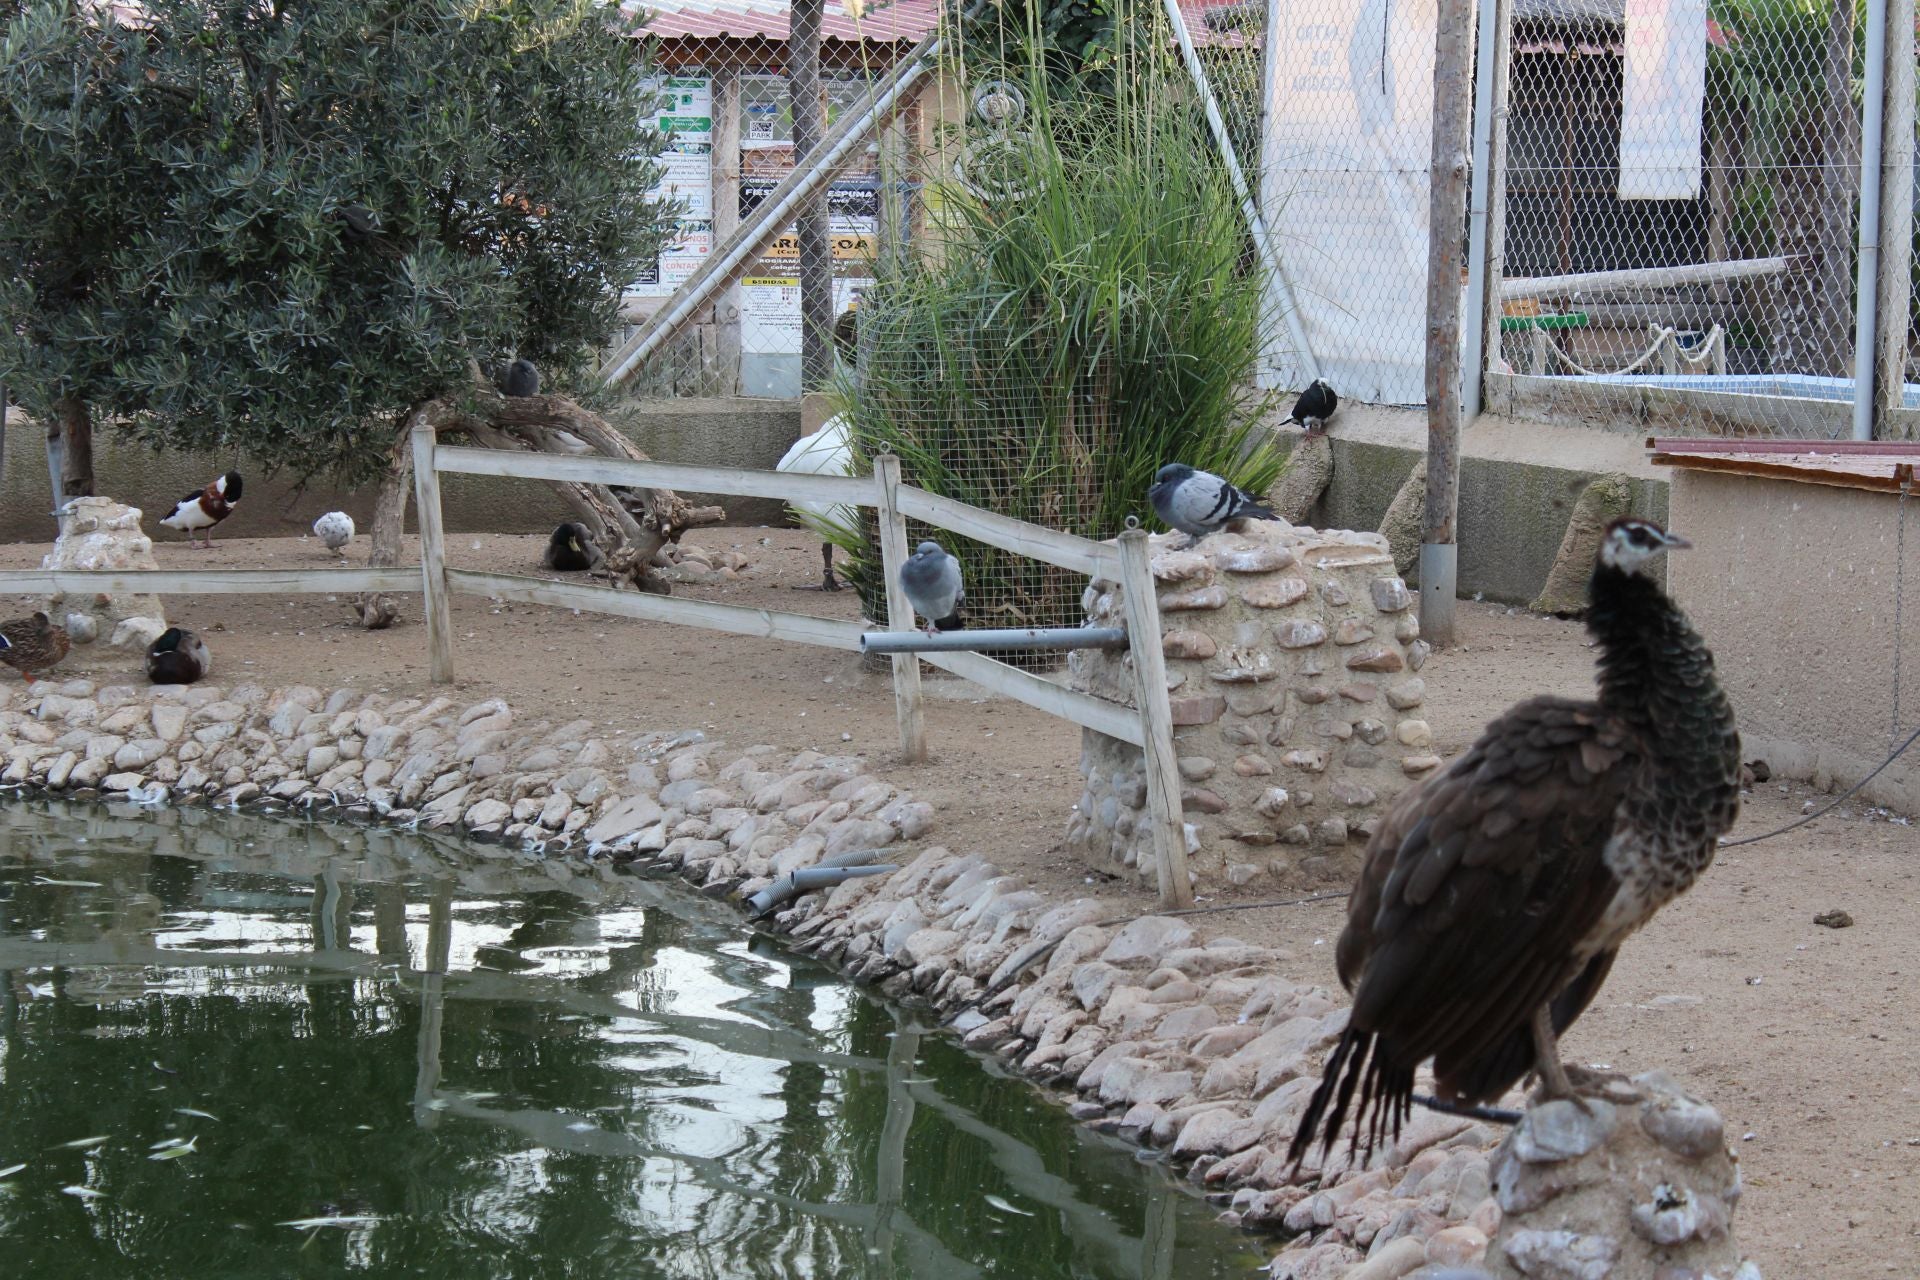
[{"x": 989, "y": 640}]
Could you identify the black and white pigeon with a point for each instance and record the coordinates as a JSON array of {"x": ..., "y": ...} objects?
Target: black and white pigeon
[
  {"x": 1198, "y": 502},
  {"x": 931, "y": 578},
  {"x": 1315, "y": 405}
]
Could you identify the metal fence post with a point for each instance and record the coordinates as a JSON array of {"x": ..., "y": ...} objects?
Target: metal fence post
[
  {"x": 433, "y": 556},
  {"x": 893, "y": 554},
  {"x": 1156, "y": 720}
]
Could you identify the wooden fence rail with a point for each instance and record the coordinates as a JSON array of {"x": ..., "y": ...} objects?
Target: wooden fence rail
[{"x": 1147, "y": 725}]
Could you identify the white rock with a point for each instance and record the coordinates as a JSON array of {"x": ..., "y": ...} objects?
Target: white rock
[{"x": 1561, "y": 1255}]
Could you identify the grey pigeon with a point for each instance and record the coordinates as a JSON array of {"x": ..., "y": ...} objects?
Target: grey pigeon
[
  {"x": 1315, "y": 405},
  {"x": 522, "y": 379},
  {"x": 931, "y": 578},
  {"x": 1199, "y": 502}
]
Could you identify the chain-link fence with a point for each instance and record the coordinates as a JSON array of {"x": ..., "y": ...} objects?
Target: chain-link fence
[
  {"x": 1673, "y": 229},
  {"x": 1682, "y": 208},
  {"x": 727, "y": 106}
]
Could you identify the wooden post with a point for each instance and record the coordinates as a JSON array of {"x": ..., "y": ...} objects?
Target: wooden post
[
  {"x": 1447, "y": 214},
  {"x": 893, "y": 554},
  {"x": 433, "y": 556},
  {"x": 812, "y": 226},
  {"x": 1156, "y": 720},
  {"x": 726, "y": 220},
  {"x": 1895, "y": 329}
]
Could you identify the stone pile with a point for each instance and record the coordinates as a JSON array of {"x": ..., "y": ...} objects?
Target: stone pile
[
  {"x": 1293, "y": 659},
  {"x": 472, "y": 769},
  {"x": 99, "y": 533}
]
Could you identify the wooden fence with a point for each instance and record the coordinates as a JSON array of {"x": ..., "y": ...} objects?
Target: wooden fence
[{"x": 1147, "y": 725}]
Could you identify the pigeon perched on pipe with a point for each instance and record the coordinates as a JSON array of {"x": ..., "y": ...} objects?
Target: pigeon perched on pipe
[{"x": 931, "y": 578}]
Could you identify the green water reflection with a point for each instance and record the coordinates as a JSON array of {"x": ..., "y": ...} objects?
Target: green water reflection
[{"x": 473, "y": 1070}]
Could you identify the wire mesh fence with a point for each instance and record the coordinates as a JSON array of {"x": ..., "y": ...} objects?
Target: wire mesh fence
[
  {"x": 1675, "y": 221},
  {"x": 1682, "y": 207},
  {"x": 727, "y": 106}
]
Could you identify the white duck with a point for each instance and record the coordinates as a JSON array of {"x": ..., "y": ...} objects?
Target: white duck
[{"x": 827, "y": 452}]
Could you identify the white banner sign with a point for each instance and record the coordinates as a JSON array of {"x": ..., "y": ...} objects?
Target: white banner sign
[
  {"x": 1344, "y": 188},
  {"x": 1663, "y": 99}
]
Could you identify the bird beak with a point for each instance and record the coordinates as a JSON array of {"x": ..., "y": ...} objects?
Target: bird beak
[{"x": 1674, "y": 542}]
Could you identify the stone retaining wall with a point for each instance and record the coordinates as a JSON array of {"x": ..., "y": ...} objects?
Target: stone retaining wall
[
  {"x": 1293, "y": 659},
  {"x": 1205, "y": 1049}
]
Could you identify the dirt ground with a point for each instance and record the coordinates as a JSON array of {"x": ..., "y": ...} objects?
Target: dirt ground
[{"x": 1806, "y": 1038}]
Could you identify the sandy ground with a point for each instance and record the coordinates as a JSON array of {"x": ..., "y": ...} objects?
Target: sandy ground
[{"x": 1805, "y": 1037}]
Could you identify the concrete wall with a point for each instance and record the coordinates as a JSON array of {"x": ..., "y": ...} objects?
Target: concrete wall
[
  {"x": 1518, "y": 484},
  {"x": 737, "y": 433},
  {"x": 1794, "y": 586}
]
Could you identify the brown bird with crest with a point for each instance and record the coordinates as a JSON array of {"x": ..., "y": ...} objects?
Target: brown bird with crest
[
  {"x": 1496, "y": 894},
  {"x": 32, "y": 644}
]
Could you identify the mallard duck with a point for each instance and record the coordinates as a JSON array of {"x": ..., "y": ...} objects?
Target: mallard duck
[
  {"x": 205, "y": 509},
  {"x": 32, "y": 644},
  {"x": 179, "y": 656},
  {"x": 572, "y": 548}
]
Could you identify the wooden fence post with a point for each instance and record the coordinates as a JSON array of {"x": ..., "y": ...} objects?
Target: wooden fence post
[
  {"x": 1156, "y": 720},
  {"x": 433, "y": 556},
  {"x": 893, "y": 554}
]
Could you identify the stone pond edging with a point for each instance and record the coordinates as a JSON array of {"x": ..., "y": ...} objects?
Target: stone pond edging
[{"x": 1204, "y": 1050}]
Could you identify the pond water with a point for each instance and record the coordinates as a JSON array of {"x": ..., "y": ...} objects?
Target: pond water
[{"x": 235, "y": 1046}]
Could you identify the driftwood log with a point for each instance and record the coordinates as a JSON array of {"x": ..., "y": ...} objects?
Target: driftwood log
[{"x": 633, "y": 525}]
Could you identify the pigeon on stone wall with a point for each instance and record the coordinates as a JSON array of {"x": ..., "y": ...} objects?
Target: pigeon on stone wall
[
  {"x": 1198, "y": 502},
  {"x": 1315, "y": 405}
]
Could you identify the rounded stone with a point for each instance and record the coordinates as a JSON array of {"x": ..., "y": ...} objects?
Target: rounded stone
[
  {"x": 1683, "y": 1126},
  {"x": 1339, "y": 730},
  {"x": 1298, "y": 833},
  {"x": 1351, "y": 631},
  {"x": 1414, "y": 766},
  {"x": 1407, "y": 695},
  {"x": 1371, "y": 732},
  {"x": 1275, "y": 593},
  {"x": 1205, "y": 800},
  {"x": 1272, "y": 802},
  {"x": 1390, "y": 595},
  {"x": 1196, "y": 768},
  {"x": 1414, "y": 733},
  {"x": 1311, "y": 759},
  {"x": 1251, "y": 766},
  {"x": 1194, "y": 598},
  {"x": 1264, "y": 558},
  {"x": 1332, "y": 831},
  {"x": 1417, "y": 654},
  {"x": 1188, "y": 644},
  {"x": 1298, "y": 633},
  {"x": 1376, "y": 657}
]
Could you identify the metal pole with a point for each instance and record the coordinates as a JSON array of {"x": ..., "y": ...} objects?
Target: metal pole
[
  {"x": 816, "y": 247},
  {"x": 1896, "y": 208},
  {"x": 1867, "y": 284},
  {"x": 1473, "y": 359},
  {"x": 729, "y": 259},
  {"x": 1249, "y": 204},
  {"x": 1447, "y": 213},
  {"x": 988, "y": 641}
]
